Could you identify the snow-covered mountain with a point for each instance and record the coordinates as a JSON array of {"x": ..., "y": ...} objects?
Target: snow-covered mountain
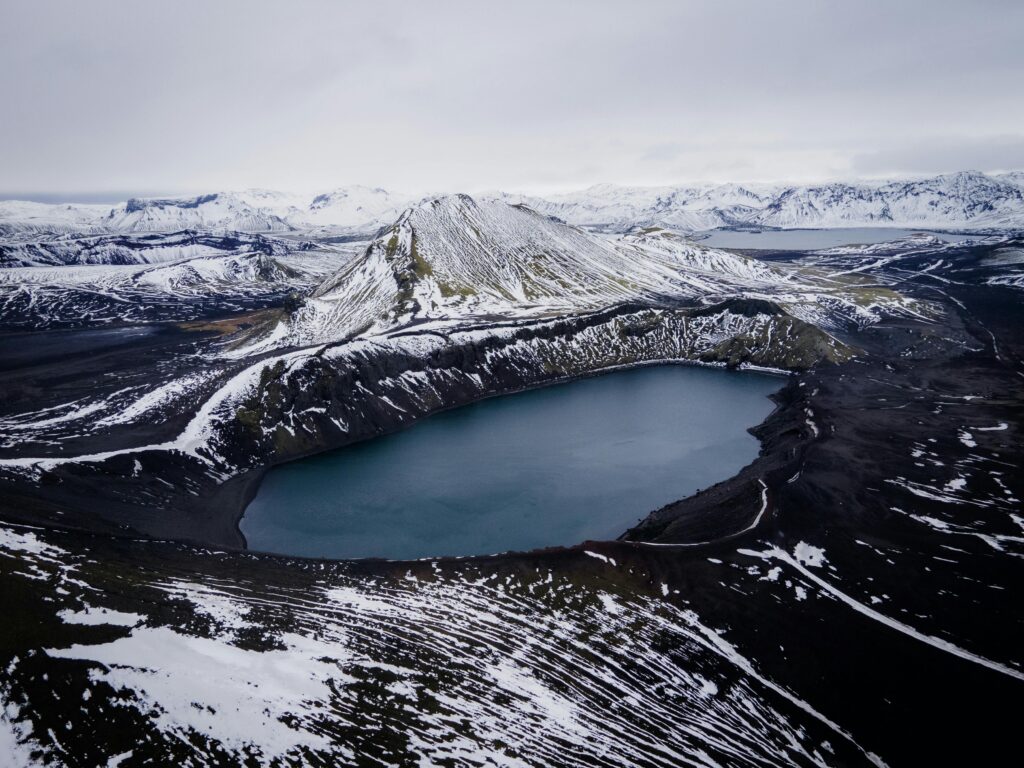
[
  {"x": 350, "y": 209},
  {"x": 453, "y": 259},
  {"x": 353, "y": 207},
  {"x": 24, "y": 217},
  {"x": 1011, "y": 177},
  {"x": 218, "y": 211},
  {"x": 966, "y": 200},
  {"x": 616, "y": 208},
  {"x": 346, "y": 210}
]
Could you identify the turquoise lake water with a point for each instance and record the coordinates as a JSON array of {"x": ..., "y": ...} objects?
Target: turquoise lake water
[{"x": 553, "y": 466}]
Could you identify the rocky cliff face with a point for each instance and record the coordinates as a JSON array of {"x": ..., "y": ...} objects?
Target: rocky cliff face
[
  {"x": 322, "y": 398},
  {"x": 350, "y": 392}
]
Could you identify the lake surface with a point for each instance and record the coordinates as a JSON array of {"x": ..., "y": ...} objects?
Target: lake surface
[
  {"x": 810, "y": 239},
  {"x": 554, "y": 466}
]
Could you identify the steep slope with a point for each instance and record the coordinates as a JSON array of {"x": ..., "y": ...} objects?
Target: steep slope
[
  {"x": 879, "y": 530},
  {"x": 455, "y": 258}
]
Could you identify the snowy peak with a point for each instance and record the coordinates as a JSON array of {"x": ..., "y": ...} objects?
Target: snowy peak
[
  {"x": 456, "y": 258},
  {"x": 452, "y": 255},
  {"x": 218, "y": 211}
]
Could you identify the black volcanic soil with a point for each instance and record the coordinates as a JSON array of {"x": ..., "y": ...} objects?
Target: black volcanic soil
[
  {"x": 856, "y": 460},
  {"x": 171, "y": 494},
  {"x": 42, "y": 368}
]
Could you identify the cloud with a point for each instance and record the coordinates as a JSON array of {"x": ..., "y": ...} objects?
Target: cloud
[
  {"x": 931, "y": 156},
  {"x": 455, "y": 94}
]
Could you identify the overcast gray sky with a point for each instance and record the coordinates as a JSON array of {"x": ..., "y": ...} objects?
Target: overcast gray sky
[{"x": 197, "y": 95}]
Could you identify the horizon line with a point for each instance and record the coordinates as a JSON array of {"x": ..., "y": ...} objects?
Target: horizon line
[{"x": 113, "y": 197}]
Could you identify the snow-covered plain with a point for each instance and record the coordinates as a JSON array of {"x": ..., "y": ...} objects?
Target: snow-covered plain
[{"x": 468, "y": 668}]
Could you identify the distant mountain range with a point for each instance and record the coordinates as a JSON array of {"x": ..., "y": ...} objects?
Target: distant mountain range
[
  {"x": 965, "y": 200},
  {"x": 348, "y": 210}
]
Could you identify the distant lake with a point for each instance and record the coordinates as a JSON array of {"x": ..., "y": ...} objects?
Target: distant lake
[
  {"x": 810, "y": 239},
  {"x": 553, "y": 466}
]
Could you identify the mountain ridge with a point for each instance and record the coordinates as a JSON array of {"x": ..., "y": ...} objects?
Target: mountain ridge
[
  {"x": 454, "y": 260},
  {"x": 962, "y": 200},
  {"x": 454, "y": 257}
]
